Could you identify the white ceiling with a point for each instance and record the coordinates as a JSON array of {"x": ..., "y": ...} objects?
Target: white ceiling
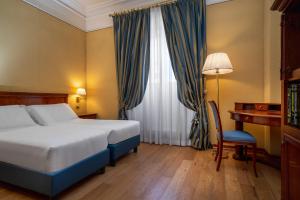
[
  {"x": 89, "y": 2},
  {"x": 90, "y": 15}
]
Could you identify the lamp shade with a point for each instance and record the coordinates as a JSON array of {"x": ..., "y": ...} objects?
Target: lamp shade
[
  {"x": 81, "y": 91},
  {"x": 217, "y": 63}
]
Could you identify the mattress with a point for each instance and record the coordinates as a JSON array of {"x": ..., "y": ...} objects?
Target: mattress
[
  {"x": 52, "y": 148},
  {"x": 119, "y": 130}
]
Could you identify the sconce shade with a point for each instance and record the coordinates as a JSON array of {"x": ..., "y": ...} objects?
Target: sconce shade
[
  {"x": 217, "y": 63},
  {"x": 81, "y": 91}
]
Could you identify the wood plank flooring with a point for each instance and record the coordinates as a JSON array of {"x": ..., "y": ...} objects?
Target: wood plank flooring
[{"x": 169, "y": 173}]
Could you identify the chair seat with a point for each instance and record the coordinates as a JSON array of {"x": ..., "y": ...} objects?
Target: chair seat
[{"x": 238, "y": 136}]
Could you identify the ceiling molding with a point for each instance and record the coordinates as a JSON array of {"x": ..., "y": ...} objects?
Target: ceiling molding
[
  {"x": 211, "y": 2},
  {"x": 61, "y": 10},
  {"x": 75, "y": 5},
  {"x": 91, "y": 17}
]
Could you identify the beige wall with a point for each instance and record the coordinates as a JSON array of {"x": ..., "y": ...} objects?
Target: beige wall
[
  {"x": 272, "y": 54},
  {"x": 272, "y": 47},
  {"x": 39, "y": 53},
  {"x": 101, "y": 74},
  {"x": 237, "y": 28}
]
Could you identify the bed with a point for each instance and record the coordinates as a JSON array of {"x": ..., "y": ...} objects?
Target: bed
[
  {"x": 124, "y": 135},
  {"x": 50, "y": 159}
]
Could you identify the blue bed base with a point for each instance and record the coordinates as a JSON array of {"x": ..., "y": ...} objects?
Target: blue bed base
[
  {"x": 51, "y": 184},
  {"x": 122, "y": 148}
]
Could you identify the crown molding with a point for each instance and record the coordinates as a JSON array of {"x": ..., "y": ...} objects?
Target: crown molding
[
  {"x": 211, "y": 2},
  {"x": 91, "y": 17},
  {"x": 60, "y": 10},
  {"x": 75, "y": 5}
]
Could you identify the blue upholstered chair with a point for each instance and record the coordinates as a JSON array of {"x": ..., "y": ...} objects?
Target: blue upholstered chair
[{"x": 236, "y": 137}]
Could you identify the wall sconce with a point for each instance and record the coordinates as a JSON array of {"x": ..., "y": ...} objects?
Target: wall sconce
[{"x": 80, "y": 92}]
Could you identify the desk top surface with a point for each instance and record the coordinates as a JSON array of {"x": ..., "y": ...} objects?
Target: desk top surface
[
  {"x": 255, "y": 113},
  {"x": 265, "y": 110}
]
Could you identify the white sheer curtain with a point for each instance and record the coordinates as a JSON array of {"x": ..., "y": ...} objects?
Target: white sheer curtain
[{"x": 164, "y": 120}]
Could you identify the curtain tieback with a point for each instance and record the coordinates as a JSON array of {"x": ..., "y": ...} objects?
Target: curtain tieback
[
  {"x": 123, "y": 114},
  {"x": 196, "y": 119}
]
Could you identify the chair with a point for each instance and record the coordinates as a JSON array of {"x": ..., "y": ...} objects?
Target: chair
[{"x": 236, "y": 137}]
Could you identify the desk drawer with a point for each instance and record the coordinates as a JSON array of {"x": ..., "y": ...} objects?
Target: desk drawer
[
  {"x": 256, "y": 119},
  {"x": 241, "y": 118},
  {"x": 247, "y": 119},
  {"x": 261, "y": 107}
]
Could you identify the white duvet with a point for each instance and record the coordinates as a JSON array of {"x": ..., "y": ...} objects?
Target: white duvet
[
  {"x": 119, "y": 130},
  {"x": 55, "y": 114},
  {"x": 51, "y": 148}
]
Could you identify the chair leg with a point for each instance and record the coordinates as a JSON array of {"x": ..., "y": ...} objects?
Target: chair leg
[
  {"x": 217, "y": 153},
  {"x": 254, "y": 159},
  {"x": 246, "y": 153},
  {"x": 220, "y": 156}
]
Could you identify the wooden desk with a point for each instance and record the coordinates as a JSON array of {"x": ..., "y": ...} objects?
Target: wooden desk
[{"x": 254, "y": 113}]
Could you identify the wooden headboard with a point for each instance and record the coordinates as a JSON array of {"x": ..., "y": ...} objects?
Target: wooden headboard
[{"x": 23, "y": 98}]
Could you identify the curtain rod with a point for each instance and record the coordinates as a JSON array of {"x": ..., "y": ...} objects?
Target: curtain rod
[{"x": 167, "y": 2}]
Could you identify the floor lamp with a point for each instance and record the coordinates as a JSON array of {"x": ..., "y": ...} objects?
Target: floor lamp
[{"x": 217, "y": 64}]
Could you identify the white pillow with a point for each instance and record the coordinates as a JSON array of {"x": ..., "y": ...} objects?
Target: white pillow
[
  {"x": 51, "y": 114},
  {"x": 14, "y": 117}
]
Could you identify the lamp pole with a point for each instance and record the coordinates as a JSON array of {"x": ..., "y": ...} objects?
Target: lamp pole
[{"x": 218, "y": 83}]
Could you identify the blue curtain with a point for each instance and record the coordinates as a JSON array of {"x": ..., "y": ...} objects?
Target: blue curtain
[
  {"x": 132, "y": 44},
  {"x": 185, "y": 27}
]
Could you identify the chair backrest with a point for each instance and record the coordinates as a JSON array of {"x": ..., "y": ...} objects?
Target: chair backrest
[{"x": 217, "y": 118}]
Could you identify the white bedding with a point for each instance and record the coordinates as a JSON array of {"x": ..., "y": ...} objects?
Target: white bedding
[
  {"x": 54, "y": 114},
  {"x": 50, "y": 114},
  {"x": 119, "y": 130},
  {"x": 14, "y": 116},
  {"x": 51, "y": 148}
]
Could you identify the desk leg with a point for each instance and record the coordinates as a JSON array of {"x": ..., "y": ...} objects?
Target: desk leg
[
  {"x": 239, "y": 126},
  {"x": 239, "y": 149}
]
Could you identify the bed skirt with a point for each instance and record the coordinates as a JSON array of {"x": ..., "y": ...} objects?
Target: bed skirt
[
  {"x": 51, "y": 184},
  {"x": 122, "y": 148}
]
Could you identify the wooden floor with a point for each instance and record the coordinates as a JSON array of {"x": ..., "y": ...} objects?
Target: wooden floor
[{"x": 165, "y": 172}]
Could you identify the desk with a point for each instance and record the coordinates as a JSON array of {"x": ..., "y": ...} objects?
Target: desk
[{"x": 254, "y": 113}]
